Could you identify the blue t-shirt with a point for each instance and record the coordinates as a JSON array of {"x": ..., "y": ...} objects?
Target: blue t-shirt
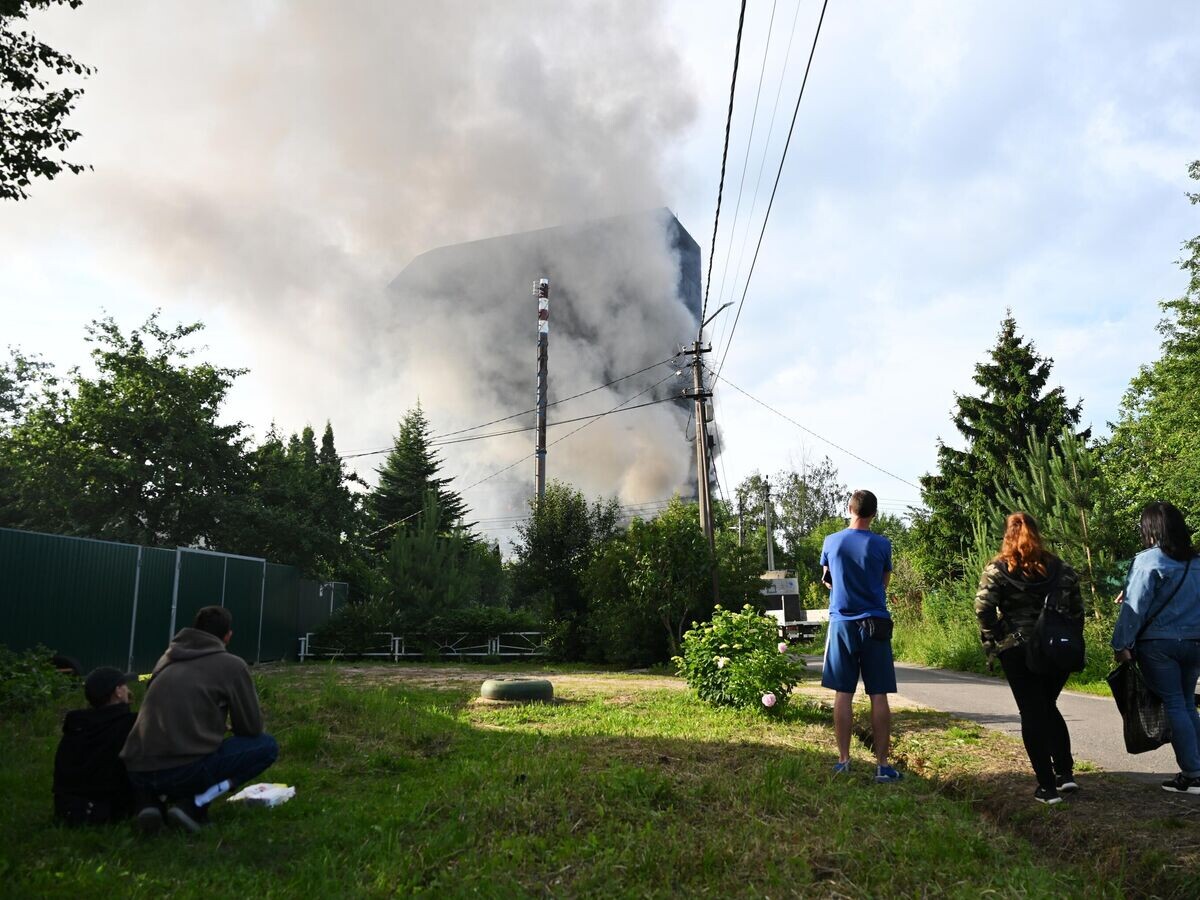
[{"x": 857, "y": 560}]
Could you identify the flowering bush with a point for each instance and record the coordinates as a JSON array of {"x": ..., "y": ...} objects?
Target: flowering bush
[{"x": 737, "y": 659}]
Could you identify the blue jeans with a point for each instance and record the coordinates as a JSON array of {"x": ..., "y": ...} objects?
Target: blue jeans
[
  {"x": 1172, "y": 668},
  {"x": 238, "y": 758}
]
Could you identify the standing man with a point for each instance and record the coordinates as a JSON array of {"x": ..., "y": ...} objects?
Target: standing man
[
  {"x": 857, "y": 565},
  {"x": 178, "y": 746}
]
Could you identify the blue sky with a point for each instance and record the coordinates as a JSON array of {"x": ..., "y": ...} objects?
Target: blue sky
[{"x": 950, "y": 161}]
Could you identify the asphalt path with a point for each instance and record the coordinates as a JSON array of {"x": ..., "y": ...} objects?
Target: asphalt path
[{"x": 1093, "y": 721}]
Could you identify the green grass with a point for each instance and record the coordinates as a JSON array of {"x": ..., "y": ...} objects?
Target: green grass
[
  {"x": 952, "y": 642},
  {"x": 616, "y": 790}
]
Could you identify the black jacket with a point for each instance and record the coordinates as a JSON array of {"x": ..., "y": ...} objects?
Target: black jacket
[
  {"x": 1008, "y": 605},
  {"x": 86, "y": 765}
]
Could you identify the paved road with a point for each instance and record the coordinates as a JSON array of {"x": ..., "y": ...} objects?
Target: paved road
[{"x": 1094, "y": 722}]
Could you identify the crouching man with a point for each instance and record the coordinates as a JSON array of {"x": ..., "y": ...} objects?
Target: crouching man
[{"x": 178, "y": 748}]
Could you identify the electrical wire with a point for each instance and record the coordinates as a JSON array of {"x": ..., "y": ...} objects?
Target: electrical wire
[
  {"x": 492, "y": 434},
  {"x": 737, "y": 53},
  {"x": 814, "y": 434},
  {"x": 775, "y": 188},
  {"x": 746, "y": 159},
  {"x": 439, "y": 437},
  {"x": 762, "y": 162}
]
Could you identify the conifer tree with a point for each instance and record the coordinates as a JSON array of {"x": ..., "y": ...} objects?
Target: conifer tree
[
  {"x": 407, "y": 476},
  {"x": 1154, "y": 453},
  {"x": 1014, "y": 406}
]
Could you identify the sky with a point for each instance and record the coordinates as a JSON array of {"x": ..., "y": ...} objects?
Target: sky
[{"x": 268, "y": 168}]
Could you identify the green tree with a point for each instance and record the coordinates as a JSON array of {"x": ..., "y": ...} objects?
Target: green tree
[
  {"x": 1154, "y": 453},
  {"x": 1058, "y": 480},
  {"x": 296, "y": 507},
  {"x": 430, "y": 571},
  {"x": 808, "y": 498},
  {"x": 1014, "y": 405},
  {"x": 650, "y": 583},
  {"x": 409, "y": 473},
  {"x": 33, "y": 130},
  {"x": 554, "y": 549},
  {"x": 136, "y": 453}
]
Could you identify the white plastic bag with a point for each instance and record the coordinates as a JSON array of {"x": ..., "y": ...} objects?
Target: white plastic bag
[{"x": 264, "y": 794}]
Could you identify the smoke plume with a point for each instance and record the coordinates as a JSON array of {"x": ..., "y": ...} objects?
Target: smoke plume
[{"x": 286, "y": 161}]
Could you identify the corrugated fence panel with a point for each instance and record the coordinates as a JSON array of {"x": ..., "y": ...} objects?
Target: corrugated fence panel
[
  {"x": 73, "y": 595},
  {"x": 201, "y": 583},
  {"x": 153, "y": 630},
  {"x": 279, "y": 633},
  {"x": 77, "y": 597},
  {"x": 243, "y": 594}
]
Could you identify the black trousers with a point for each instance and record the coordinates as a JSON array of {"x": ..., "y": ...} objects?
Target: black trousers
[{"x": 1043, "y": 730}]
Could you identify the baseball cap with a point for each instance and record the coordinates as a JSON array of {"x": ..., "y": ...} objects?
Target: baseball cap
[{"x": 102, "y": 682}]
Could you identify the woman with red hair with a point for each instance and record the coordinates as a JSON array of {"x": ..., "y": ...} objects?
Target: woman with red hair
[{"x": 1014, "y": 587}]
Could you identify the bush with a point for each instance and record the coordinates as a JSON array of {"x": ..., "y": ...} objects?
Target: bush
[
  {"x": 28, "y": 680},
  {"x": 355, "y": 627},
  {"x": 735, "y": 660}
]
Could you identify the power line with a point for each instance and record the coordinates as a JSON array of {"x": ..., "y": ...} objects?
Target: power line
[
  {"x": 782, "y": 159},
  {"x": 439, "y": 437},
  {"x": 762, "y": 162},
  {"x": 737, "y": 52},
  {"x": 492, "y": 434},
  {"x": 814, "y": 434},
  {"x": 746, "y": 159}
]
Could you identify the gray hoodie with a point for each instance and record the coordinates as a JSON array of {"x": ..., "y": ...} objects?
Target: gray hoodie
[{"x": 196, "y": 684}]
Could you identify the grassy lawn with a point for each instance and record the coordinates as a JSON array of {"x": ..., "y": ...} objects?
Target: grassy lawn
[{"x": 624, "y": 787}]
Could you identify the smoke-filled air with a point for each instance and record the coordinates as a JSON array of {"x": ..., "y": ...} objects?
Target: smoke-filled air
[{"x": 339, "y": 142}]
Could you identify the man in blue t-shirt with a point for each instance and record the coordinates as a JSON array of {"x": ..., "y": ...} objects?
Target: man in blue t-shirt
[{"x": 857, "y": 566}]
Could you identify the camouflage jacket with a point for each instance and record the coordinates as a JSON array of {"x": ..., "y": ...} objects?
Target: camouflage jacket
[{"x": 1007, "y": 606}]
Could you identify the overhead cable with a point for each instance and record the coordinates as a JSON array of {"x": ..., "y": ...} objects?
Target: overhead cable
[
  {"x": 438, "y": 437},
  {"x": 775, "y": 188},
  {"x": 737, "y": 52},
  {"x": 817, "y": 436},
  {"x": 737, "y": 207}
]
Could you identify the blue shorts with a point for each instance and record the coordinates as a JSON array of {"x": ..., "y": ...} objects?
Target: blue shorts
[{"x": 848, "y": 654}]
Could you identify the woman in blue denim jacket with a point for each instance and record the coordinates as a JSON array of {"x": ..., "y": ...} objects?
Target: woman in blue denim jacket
[{"x": 1164, "y": 591}]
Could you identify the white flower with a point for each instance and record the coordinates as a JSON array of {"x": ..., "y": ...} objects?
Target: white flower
[
  {"x": 783, "y": 646},
  {"x": 768, "y": 699},
  {"x": 722, "y": 661}
]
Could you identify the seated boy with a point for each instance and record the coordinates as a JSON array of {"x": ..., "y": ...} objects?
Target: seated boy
[{"x": 90, "y": 783}]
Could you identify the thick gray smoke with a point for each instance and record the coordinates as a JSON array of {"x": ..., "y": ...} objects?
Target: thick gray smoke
[{"x": 287, "y": 160}]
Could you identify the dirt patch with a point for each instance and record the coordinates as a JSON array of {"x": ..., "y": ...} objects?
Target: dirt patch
[{"x": 614, "y": 683}]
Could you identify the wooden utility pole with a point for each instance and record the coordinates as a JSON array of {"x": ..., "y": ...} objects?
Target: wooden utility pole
[
  {"x": 543, "y": 352},
  {"x": 700, "y": 395},
  {"x": 767, "y": 520}
]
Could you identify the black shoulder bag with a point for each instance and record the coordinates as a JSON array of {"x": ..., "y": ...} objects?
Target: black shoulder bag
[
  {"x": 1145, "y": 723},
  {"x": 1055, "y": 643}
]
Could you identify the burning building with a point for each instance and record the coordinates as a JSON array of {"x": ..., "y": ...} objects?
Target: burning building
[{"x": 625, "y": 293}]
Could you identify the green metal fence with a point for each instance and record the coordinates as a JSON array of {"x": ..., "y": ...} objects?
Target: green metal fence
[{"x": 105, "y": 603}]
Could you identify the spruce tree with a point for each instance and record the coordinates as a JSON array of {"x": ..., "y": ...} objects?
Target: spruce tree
[
  {"x": 1154, "y": 453},
  {"x": 1013, "y": 408},
  {"x": 407, "y": 477}
]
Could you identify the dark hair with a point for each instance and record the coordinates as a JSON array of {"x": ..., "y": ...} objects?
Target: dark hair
[
  {"x": 864, "y": 504},
  {"x": 1022, "y": 552},
  {"x": 216, "y": 620},
  {"x": 1163, "y": 525}
]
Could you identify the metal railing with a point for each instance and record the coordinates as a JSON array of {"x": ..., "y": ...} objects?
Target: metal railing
[{"x": 400, "y": 646}]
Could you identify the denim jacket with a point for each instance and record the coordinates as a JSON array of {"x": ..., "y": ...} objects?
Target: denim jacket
[{"x": 1152, "y": 578}]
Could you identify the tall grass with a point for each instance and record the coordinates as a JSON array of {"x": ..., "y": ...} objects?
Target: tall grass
[{"x": 940, "y": 629}]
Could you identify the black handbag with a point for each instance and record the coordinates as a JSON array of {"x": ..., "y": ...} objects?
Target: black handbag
[
  {"x": 1145, "y": 721},
  {"x": 1146, "y": 726}
]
